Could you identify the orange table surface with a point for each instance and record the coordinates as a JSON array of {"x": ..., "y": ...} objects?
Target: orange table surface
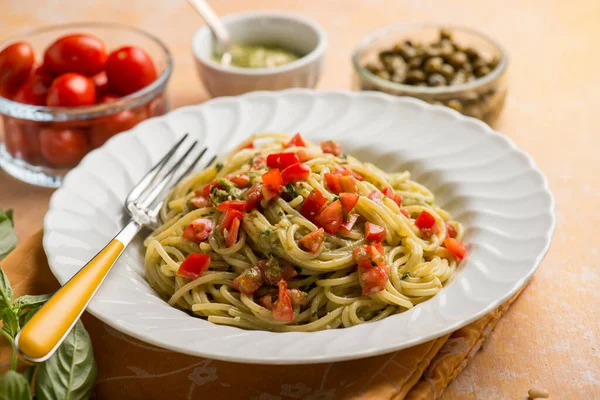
[{"x": 550, "y": 336}]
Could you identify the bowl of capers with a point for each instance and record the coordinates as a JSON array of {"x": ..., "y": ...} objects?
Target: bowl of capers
[{"x": 454, "y": 66}]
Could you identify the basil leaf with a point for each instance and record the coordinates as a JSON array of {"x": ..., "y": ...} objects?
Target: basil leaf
[
  {"x": 14, "y": 386},
  {"x": 26, "y": 316},
  {"x": 29, "y": 372},
  {"x": 70, "y": 374},
  {"x": 31, "y": 301},
  {"x": 11, "y": 323},
  {"x": 8, "y": 237},
  {"x": 6, "y": 293}
]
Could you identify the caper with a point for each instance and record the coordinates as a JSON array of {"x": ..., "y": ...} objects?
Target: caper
[
  {"x": 459, "y": 77},
  {"x": 383, "y": 74},
  {"x": 431, "y": 51},
  {"x": 446, "y": 51},
  {"x": 478, "y": 63},
  {"x": 373, "y": 67},
  {"x": 415, "y": 76},
  {"x": 433, "y": 64},
  {"x": 482, "y": 71},
  {"x": 448, "y": 71},
  {"x": 455, "y": 104},
  {"x": 436, "y": 80},
  {"x": 422, "y": 84},
  {"x": 494, "y": 63},
  {"x": 445, "y": 33},
  {"x": 458, "y": 59},
  {"x": 408, "y": 52},
  {"x": 415, "y": 62},
  {"x": 472, "y": 53},
  {"x": 399, "y": 76}
]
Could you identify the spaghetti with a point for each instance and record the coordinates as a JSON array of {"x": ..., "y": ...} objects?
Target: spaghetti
[{"x": 284, "y": 235}]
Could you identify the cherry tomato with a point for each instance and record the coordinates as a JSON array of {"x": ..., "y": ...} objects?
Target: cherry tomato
[
  {"x": 282, "y": 309},
  {"x": 228, "y": 217},
  {"x": 253, "y": 196},
  {"x": 157, "y": 106},
  {"x": 294, "y": 173},
  {"x": 16, "y": 63},
  {"x": 282, "y": 160},
  {"x": 272, "y": 180},
  {"x": 101, "y": 84},
  {"x": 397, "y": 198},
  {"x": 21, "y": 139},
  {"x": 107, "y": 98},
  {"x": 333, "y": 182},
  {"x": 313, "y": 204},
  {"x": 249, "y": 281},
  {"x": 63, "y": 147},
  {"x": 348, "y": 185},
  {"x": 35, "y": 90},
  {"x": 194, "y": 265},
  {"x": 109, "y": 126},
  {"x": 129, "y": 69},
  {"x": 331, "y": 217},
  {"x": 198, "y": 230},
  {"x": 235, "y": 204},
  {"x": 296, "y": 141},
  {"x": 347, "y": 225},
  {"x": 455, "y": 247},
  {"x": 425, "y": 220},
  {"x": 348, "y": 200},
  {"x": 200, "y": 202},
  {"x": 374, "y": 280},
  {"x": 450, "y": 231},
  {"x": 376, "y": 196},
  {"x": 331, "y": 147},
  {"x": 312, "y": 241},
  {"x": 240, "y": 180},
  {"x": 80, "y": 53},
  {"x": 71, "y": 90},
  {"x": 231, "y": 234},
  {"x": 374, "y": 232},
  {"x": 44, "y": 69},
  {"x": 345, "y": 171},
  {"x": 297, "y": 297}
]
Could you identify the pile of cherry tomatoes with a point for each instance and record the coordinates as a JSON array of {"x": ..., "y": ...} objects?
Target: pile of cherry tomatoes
[{"x": 76, "y": 70}]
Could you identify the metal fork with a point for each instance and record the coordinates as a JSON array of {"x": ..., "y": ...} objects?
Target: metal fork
[{"x": 46, "y": 330}]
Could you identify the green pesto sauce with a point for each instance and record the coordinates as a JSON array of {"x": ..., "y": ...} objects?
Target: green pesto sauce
[{"x": 258, "y": 56}]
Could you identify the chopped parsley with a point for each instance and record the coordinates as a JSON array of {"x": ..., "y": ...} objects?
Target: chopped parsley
[
  {"x": 335, "y": 198},
  {"x": 405, "y": 275},
  {"x": 219, "y": 166},
  {"x": 289, "y": 188},
  {"x": 267, "y": 232},
  {"x": 315, "y": 313}
]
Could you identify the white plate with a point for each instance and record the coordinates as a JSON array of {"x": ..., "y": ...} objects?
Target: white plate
[{"x": 477, "y": 174}]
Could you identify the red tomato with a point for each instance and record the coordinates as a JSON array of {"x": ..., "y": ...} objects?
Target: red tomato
[
  {"x": 157, "y": 106},
  {"x": 235, "y": 204},
  {"x": 361, "y": 257},
  {"x": 295, "y": 173},
  {"x": 272, "y": 181},
  {"x": 455, "y": 247},
  {"x": 249, "y": 281},
  {"x": 80, "y": 53},
  {"x": 313, "y": 241},
  {"x": 288, "y": 271},
  {"x": 296, "y": 141},
  {"x": 304, "y": 155},
  {"x": 21, "y": 139},
  {"x": 348, "y": 201},
  {"x": 44, "y": 69},
  {"x": 348, "y": 185},
  {"x": 450, "y": 231},
  {"x": 63, "y": 147},
  {"x": 34, "y": 91},
  {"x": 241, "y": 180},
  {"x": 101, "y": 84},
  {"x": 282, "y": 160},
  {"x": 376, "y": 196},
  {"x": 333, "y": 182},
  {"x": 16, "y": 63},
  {"x": 266, "y": 301},
  {"x": 200, "y": 202},
  {"x": 249, "y": 146},
  {"x": 347, "y": 225},
  {"x": 425, "y": 220},
  {"x": 129, "y": 69},
  {"x": 71, "y": 90},
  {"x": 282, "y": 309},
  {"x": 331, "y": 147},
  {"x": 374, "y": 232},
  {"x": 346, "y": 171},
  {"x": 374, "y": 280},
  {"x": 331, "y": 217},
  {"x": 259, "y": 162},
  {"x": 207, "y": 189},
  {"x": 198, "y": 230},
  {"x": 376, "y": 254},
  {"x": 109, "y": 126},
  {"x": 231, "y": 234},
  {"x": 397, "y": 198},
  {"x": 228, "y": 217},
  {"x": 368, "y": 256},
  {"x": 297, "y": 297},
  {"x": 313, "y": 204},
  {"x": 194, "y": 265},
  {"x": 253, "y": 196},
  {"x": 107, "y": 98},
  {"x": 404, "y": 212}
]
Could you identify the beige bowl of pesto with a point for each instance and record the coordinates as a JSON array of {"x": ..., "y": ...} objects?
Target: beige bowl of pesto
[{"x": 272, "y": 51}]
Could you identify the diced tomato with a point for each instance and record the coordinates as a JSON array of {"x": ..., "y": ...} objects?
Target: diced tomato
[
  {"x": 368, "y": 256},
  {"x": 207, "y": 189},
  {"x": 235, "y": 204},
  {"x": 331, "y": 147},
  {"x": 282, "y": 160},
  {"x": 266, "y": 301},
  {"x": 272, "y": 179},
  {"x": 331, "y": 217},
  {"x": 296, "y": 141},
  {"x": 259, "y": 162},
  {"x": 288, "y": 271},
  {"x": 425, "y": 220},
  {"x": 347, "y": 184},
  {"x": 389, "y": 192},
  {"x": 241, "y": 180},
  {"x": 455, "y": 247},
  {"x": 231, "y": 234},
  {"x": 361, "y": 257},
  {"x": 313, "y": 204},
  {"x": 347, "y": 171},
  {"x": 249, "y": 146},
  {"x": 376, "y": 196},
  {"x": 228, "y": 216},
  {"x": 379, "y": 248},
  {"x": 333, "y": 182},
  {"x": 253, "y": 196},
  {"x": 198, "y": 230},
  {"x": 347, "y": 225},
  {"x": 376, "y": 254},
  {"x": 304, "y": 155},
  {"x": 269, "y": 193},
  {"x": 199, "y": 202},
  {"x": 297, "y": 297},
  {"x": 404, "y": 212},
  {"x": 374, "y": 280},
  {"x": 248, "y": 281},
  {"x": 194, "y": 265},
  {"x": 374, "y": 232},
  {"x": 294, "y": 173},
  {"x": 450, "y": 231},
  {"x": 282, "y": 309},
  {"x": 348, "y": 201},
  {"x": 313, "y": 241}
]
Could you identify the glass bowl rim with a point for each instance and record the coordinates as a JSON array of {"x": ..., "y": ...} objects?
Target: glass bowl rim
[
  {"x": 44, "y": 113},
  {"x": 368, "y": 76}
]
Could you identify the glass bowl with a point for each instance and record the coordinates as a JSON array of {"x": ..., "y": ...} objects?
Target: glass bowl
[
  {"x": 482, "y": 98},
  {"x": 25, "y": 149}
]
